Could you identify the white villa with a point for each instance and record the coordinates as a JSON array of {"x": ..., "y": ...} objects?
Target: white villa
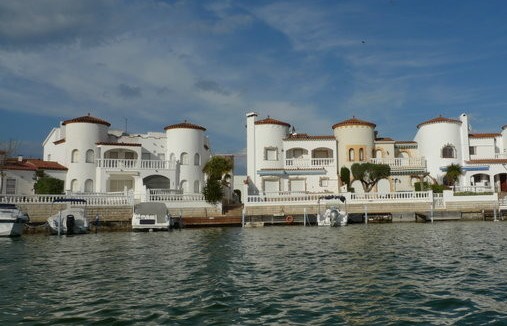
[
  {"x": 99, "y": 159},
  {"x": 281, "y": 161}
]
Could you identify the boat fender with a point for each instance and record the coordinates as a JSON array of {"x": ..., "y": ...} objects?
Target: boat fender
[{"x": 289, "y": 219}]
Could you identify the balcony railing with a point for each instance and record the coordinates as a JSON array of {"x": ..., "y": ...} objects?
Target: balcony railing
[
  {"x": 402, "y": 163},
  {"x": 128, "y": 164},
  {"x": 309, "y": 162}
]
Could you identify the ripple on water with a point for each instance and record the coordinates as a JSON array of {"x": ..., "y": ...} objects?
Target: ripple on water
[{"x": 444, "y": 273}]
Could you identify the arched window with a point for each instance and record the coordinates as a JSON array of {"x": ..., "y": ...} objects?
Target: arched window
[
  {"x": 184, "y": 158},
  {"x": 378, "y": 153},
  {"x": 197, "y": 159},
  {"x": 172, "y": 157},
  {"x": 361, "y": 154},
  {"x": 74, "y": 186},
  {"x": 88, "y": 185},
  {"x": 351, "y": 155},
  {"x": 75, "y": 156},
  {"x": 90, "y": 156},
  {"x": 448, "y": 152},
  {"x": 184, "y": 186},
  {"x": 197, "y": 188}
]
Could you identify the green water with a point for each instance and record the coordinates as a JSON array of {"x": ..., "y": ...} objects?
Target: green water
[{"x": 390, "y": 274}]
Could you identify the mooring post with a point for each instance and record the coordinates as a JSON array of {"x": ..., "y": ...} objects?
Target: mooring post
[
  {"x": 304, "y": 217},
  {"x": 494, "y": 215},
  {"x": 365, "y": 214},
  {"x": 243, "y": 217},
  {"x": 431, "y": 213}
]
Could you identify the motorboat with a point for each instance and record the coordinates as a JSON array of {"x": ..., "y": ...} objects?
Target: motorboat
[
  {"x": 71, "y": 220},
  {"x": 333, "y": 215},
  {"x": 151, "y": 216},
  {"x": 12, "y": 220}
]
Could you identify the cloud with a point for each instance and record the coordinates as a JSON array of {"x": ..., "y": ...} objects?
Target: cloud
[
  {"x": 211, "y": 86},
  {"x": 129, "y": 92}
]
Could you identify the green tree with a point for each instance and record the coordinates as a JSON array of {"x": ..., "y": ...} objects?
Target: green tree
[
  {"x": 217, "y": 170},
  {"x": 369, "y": 174},
  {"x": 47, "y": 185},
  {"x": 345, "y": 176},
  {"x": 452, "y": 175}
]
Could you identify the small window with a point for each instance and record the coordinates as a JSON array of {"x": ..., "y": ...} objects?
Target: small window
[
  {"x": 73, "y": 185},
  {"x": 352, "y": 155},
  {"x": 89, "y": 185},
  {"x": 146, "y": 156},
  {"x": 472, "y": 150},
  {"x": 448, "y": 152},
  {"x": 49, "y": 157},
  {"x": 271, "y": 154},
  {"x": 184, "y": 159},
  {"x": 75, "y": 156},
  {"x": 90, "y": 156},
  {"x": 378, "y": 153},
  {"x": 184, "y": 186},
  {"x": 10, "y": 186},
  {"x": 324, "y": 182},
  {"x": 129, "y": 155},
  {"x": 361, "y": 154},
  {"x": 197, "y": 159},
  {"x": 197, "y": 188}
]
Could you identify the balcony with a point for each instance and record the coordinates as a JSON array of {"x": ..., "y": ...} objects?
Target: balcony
[
  {"x": 135, "y": 165},
  {"x": 309, "y": 162},
  {"x": 402, "y": 164}
]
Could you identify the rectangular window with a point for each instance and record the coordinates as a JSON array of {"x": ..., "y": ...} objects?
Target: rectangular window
[
  {"x": 270, "y": 154},
  {"x": 146, "y": 156},
  {"x": 10, "y": 186},
  {"x": 324, "y": 182},
  {"x": 472, "y": 150}
]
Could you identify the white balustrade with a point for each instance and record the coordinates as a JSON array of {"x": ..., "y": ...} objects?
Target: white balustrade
[
  {"x": 131, "y": 164},
  {"x": 94, "y": 199},
  {"x": 401, "y": 162},
  {"x": 313, "y": 162}
]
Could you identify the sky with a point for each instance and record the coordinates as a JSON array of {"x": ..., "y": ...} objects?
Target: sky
[{"x": 145, "y": 64}]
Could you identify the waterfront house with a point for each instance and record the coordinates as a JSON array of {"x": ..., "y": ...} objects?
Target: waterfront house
[{"x": 281, "y": 161}]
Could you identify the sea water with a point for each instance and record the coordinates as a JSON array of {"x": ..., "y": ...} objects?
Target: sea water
[{"x": 376, "y": 274}]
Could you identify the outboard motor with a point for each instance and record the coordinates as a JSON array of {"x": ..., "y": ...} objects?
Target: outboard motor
[
  {"x": 71, "y": 221},
  {"x": 334, "y": 217}
]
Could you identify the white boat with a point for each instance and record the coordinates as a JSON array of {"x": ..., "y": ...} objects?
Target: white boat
[
  {"x": 12, "y": 220},
  {"x": 334, "y": 215},
  {"x": 71, "y": 220},
  {"x": 151, "y": 216}
]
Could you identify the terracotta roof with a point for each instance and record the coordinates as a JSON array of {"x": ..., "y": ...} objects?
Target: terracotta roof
[
  {"x": 46, "y": 165},
  {"x": 384, "y": 139},
  {"x": 270, "y": 121},
  {"x": 308, "y": 137},
  {"x": 354, "y": 122},
  {"x": 185, "y": 125},
  {"x": 485, "y": 135},
  {"x": 438, "y": 119},
  {"x": 31, "y": 165},
  {"x": 487, "y": 161},
  {"x": 118, "y": 144},
  {"x": 59, "y": 141},
  {"x": 406, "y": 142},
  {"x": 87, "y": 119}
]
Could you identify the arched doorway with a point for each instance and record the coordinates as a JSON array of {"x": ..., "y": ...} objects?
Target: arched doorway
[{"x": 157, "y": 182}]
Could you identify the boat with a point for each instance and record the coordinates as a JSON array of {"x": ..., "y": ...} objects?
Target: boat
[
  {"x": 12, "y": 220},
  {"x": 151, "y": 216},
  {"x": 71, "y": 220},
  {"x": 334, "y": 215}
]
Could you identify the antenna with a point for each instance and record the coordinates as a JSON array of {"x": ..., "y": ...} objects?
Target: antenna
[{"x": 126, "y": 123}]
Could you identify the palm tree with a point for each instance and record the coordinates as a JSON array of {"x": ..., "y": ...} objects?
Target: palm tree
[{"x": 454, "y": 171}]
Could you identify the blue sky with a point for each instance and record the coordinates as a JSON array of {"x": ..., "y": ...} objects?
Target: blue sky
[{"x": 309, "y": 63}]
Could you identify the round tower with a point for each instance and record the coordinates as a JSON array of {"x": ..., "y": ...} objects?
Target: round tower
[
  {"x": 187, "y": 145},
  {"x": 81, "y": 136},
  {"x": 269, "y": 136},
  {"x": 356, "y": 140},
  {"x": 439, "y": 142}
]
